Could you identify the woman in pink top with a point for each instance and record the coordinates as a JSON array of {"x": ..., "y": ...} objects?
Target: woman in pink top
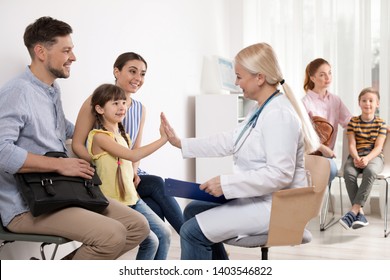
[{"x": 320, "y": 102}]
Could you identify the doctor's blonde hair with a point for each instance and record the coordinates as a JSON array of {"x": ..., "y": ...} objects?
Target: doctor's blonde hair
[{"x": 260, "y": 58}]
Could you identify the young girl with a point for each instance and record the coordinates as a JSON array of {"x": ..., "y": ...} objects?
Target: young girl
[
  {"x": 109, "y": 147},
  {"x": 129, "y": 71}
]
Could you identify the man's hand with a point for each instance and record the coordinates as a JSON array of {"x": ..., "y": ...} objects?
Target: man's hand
[{"x": 75, "y": 167}]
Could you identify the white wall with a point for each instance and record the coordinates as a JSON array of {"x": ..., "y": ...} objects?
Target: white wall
[{"x": 174, "y": 36}]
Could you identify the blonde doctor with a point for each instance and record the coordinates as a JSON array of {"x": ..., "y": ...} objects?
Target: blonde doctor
[{"x": 268, "y": 151}]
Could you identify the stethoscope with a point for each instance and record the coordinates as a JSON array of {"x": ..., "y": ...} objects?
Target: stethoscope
[{"x": 252, "y": 122}]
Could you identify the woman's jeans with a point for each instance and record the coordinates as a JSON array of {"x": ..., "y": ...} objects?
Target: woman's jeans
[
  {"x": 151, "y": 190},
  {"x": 194, "y": 244},
  {"x": 156, "y": 245},
  {"x": 333, "y": 169}
]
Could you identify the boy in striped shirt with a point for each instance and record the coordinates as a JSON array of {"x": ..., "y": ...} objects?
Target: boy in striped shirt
[{"x": 366, "y": 136}]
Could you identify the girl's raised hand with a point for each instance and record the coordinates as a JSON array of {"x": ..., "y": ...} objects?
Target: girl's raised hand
[
  {"x": 163, "y": 134},
  {"x": 170, "y": 132}
]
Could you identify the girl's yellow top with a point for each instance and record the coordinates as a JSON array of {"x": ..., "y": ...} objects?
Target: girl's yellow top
[{"x": 106, "y": 167}]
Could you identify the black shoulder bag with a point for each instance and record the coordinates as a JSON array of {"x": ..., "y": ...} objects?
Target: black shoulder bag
[{"x": 48, "y": 192}]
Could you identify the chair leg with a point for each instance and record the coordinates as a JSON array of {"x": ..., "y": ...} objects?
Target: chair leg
[
  {"x": 324, "y": 210},
  {"x": 324, "y": 213},
  {"x": 386, "y": 209},
  {"x": 341, "y": 198},
  {"x": 5, "y": 242},
  {"x": 332, "y": 221},
  {"x": 264, "y": 253},
  {"x": 43, "y": 250}
]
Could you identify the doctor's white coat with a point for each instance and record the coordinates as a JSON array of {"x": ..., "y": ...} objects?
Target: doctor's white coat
[{"x": 267, "y": 158}]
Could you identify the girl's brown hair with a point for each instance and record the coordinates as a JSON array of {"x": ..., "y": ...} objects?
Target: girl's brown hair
[
  {"x": 311, "y": 69},
  {"x": 103, "y": 94}
]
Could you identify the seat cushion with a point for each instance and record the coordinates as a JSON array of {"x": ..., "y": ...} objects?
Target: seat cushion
[{"x": 260, "y": 240}]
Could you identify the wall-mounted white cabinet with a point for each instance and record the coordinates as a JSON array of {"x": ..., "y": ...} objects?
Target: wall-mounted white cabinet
[{"x": 216, "y": 113}]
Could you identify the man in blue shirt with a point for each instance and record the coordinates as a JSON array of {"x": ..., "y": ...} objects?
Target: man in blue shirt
[{"x": 32, "y": 122}]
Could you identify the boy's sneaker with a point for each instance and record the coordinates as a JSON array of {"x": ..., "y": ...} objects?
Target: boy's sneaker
[
  {"x": 347, "y": 220},
  {"x": 361, "y": 221}
]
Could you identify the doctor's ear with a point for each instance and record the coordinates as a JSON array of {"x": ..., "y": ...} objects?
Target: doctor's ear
[{"x": 260, "y": 79}]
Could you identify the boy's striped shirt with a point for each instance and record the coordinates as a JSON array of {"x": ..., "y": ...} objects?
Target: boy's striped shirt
[{"x": 366, "y": 133}]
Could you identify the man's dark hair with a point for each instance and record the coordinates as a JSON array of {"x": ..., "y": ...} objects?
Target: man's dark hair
[{"x": 45, "y": 30}]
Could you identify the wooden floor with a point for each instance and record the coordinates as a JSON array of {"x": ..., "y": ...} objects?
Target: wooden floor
[{"x": 335, "y": 243}]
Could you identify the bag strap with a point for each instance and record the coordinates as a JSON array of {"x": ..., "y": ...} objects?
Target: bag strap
[{"x": 56, "y": 154}]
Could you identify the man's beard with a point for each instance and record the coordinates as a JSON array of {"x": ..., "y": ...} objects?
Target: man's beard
[{"x": 58, "y": 73}]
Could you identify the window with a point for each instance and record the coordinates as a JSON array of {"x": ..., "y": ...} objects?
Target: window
[{"x": 350, "y": 34}]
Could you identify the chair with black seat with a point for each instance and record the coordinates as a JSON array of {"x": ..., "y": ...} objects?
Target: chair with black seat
[
  {"x": 291, "y": 211},
  {"x": 9, "y": 237}
]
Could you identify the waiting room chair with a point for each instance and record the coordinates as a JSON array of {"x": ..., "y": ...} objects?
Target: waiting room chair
[
  {"x": 328, "y": 199},
  {"x": 384, "y": 175},
  {"x": 291, "y": 211},
  {"x": 9, "y": 237}
]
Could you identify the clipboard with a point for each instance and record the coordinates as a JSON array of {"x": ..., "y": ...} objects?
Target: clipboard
[{"x": 189, "y": 190}]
